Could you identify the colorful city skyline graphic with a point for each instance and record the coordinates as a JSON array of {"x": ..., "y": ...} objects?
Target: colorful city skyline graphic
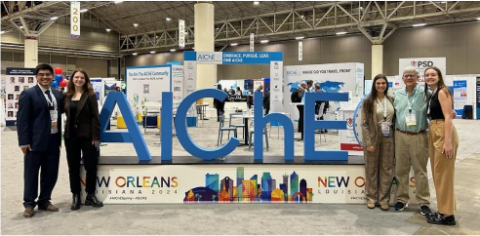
[{"x": 291, "y": 189}]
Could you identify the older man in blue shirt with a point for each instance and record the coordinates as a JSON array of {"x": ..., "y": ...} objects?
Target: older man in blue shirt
[{"x": 411, "y": 146}]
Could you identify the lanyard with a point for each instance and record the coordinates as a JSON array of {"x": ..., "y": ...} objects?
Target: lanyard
[
  {"x": 384, "y": 107},
  {"x": 410, "y": 104},
  {"x": 50, "y": 103}
]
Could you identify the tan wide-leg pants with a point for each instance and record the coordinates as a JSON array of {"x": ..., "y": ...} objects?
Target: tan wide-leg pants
[
  {"x": 379, "y": 167},
  {"x": 443, "y": 168},
  {"x": 411, "y": 150}
]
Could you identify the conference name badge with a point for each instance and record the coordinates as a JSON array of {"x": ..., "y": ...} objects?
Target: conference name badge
[
  {"x": 411, "y": 119},
  {"x": 54, "y": 119},
  {"x": 385, "y": 129}
]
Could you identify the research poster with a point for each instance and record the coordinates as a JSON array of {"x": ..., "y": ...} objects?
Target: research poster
[{"x": 17, "y": 81}]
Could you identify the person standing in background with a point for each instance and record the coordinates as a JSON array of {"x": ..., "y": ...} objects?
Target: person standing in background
[{"x": 219, "y": 105}]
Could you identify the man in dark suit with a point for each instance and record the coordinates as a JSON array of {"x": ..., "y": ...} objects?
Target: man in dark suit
[{"x": 39, "y": 136}]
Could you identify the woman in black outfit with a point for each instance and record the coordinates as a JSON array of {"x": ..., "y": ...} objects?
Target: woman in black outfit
[{"x": 82, "y": 135}]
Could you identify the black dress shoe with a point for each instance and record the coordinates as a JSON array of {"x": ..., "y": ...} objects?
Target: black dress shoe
[
  {"x": 93, "y": 201},
  {"x": 76, "y": 202},
  {"x": 439, "y": 219}
]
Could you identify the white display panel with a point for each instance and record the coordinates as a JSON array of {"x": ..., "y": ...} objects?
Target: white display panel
[
  {"x": 146, "y": 84},
  {"x": 338, "y": 77}
]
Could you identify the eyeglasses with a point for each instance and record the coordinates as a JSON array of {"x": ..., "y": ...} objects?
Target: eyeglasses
[
  {"x": 42, "y": 74},
  {"x": 408, "y": 76}
]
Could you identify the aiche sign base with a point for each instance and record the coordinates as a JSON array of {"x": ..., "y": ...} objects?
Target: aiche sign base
[{"x": 237, "y": 179}]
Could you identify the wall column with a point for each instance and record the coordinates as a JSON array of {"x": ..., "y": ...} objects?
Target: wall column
[
  {"x": 31, "y": 51},
  {"x": 377, "y": 60},
  {"x": 205, "y": 42}
]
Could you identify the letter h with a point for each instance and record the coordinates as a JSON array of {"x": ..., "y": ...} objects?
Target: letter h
[{"x": 260, "y": 122}]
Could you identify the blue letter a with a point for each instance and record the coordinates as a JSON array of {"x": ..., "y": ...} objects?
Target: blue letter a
[{"x": 133, "y": 135}]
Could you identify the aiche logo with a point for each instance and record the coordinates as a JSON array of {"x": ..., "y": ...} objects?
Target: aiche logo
[{"x": 292, "y": 72}]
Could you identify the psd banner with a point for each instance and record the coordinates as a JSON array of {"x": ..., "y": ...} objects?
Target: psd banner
[
  {"x": 156, "y": 184},
  {"x": 421, "y": 64},
  {"x": 145, "y": 84}
]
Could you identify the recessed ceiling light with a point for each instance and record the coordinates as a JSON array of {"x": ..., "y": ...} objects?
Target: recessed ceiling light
[
  {"x": 134, "y": 53},
  {"x": 135, "y": 24},
  {"x": 152, "y": 52},
  {"x": 83, "y": 10},
  {"x": 117, "y": 2},
  {"x": 299, "y": 38},
  {"x": 256, "y": 3},
  {"x": 21, "y": 27},
  {"x": 172, "y": 50},
  {"x": 168, "y": 19},
  {"x": 302, "y": 16},
  {"x": 340, "y": 33},
  {"x": 264, "y": 41},
  {"x": 234, "y": 44},
  {"x": 419, "y": 25},
  {"x": 478, "y": 18},
  {"x": 108, "y": 30},
  {"x": 53, "y": 17},
  {"x": 3, "y": 31}
]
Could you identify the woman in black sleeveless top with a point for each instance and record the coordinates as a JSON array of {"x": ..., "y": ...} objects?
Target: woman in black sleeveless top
[{"x": 443, "y": 145}]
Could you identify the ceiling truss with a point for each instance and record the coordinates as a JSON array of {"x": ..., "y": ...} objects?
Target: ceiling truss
[{"x": 377, "y": 20}]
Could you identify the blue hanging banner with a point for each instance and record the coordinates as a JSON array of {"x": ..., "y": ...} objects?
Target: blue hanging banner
[{"x": 233, "y": 57}]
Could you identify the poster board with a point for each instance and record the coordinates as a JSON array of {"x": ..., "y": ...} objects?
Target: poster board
[
  {"x": 17, "y": 81},
  {"x": 146, "y": 84}
]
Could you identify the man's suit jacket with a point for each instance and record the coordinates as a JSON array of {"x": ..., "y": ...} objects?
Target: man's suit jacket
[
  {"x": 86, "y": 118},
  {"x": 33, "y": 119}
]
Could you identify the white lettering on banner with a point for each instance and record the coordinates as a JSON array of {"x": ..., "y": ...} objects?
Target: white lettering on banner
[
  {"x": 181, "y": 33},
  {"x": 252, "y": 42},
  {"x": 75, "y": 20},
  {"x": 300, "y": 51}
]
